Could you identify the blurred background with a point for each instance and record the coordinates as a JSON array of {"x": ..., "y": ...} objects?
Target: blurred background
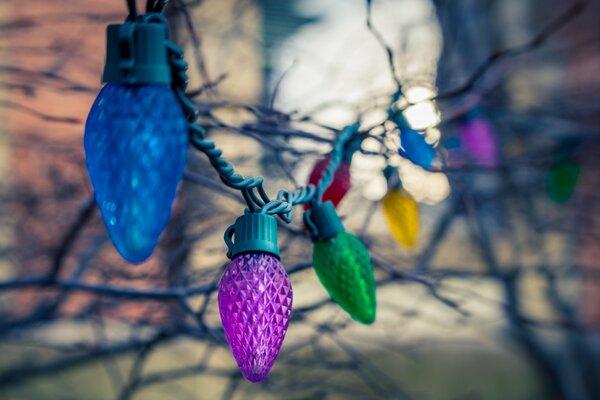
[{"x": 498, "y": 299}]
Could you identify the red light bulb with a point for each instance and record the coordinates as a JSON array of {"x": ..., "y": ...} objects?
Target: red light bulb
[{"x": 339, "y": 185}]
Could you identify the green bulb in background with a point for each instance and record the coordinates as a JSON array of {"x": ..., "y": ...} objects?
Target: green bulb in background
[
  {"x": 344, "y": 268},
  {"x": 342, "y": 264},
  {"x": 561, "y": 180}
]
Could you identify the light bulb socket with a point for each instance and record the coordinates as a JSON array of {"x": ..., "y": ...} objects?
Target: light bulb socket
[
  {"x": 323, "y": 221},
  {"x": 136, "y": 53},
  {"x": 252, "y": 232}
]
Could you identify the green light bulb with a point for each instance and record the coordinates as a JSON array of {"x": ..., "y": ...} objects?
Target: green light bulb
[
  {"x": 344, "y": 268},
  {"x": 561, "y": 180},
  {"x": 342, "y": 264}
]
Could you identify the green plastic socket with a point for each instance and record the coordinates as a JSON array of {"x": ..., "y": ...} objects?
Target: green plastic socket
[
  {"x": 252, "y": 232},
  {"x": 136, "y": 53},
  {"x": 323, "y": 221}
]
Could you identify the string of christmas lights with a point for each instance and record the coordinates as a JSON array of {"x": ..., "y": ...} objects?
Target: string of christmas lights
[
  {"x": 135, "y": 143},
  {"x": 136, "y": 140}
]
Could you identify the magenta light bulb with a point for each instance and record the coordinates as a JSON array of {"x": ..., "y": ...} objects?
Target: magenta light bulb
[
  {"x": 255, "y": 303},
  {"x": 479, "y": 141}
]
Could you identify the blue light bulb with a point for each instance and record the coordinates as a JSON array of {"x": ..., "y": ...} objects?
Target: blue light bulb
[
  {"x": 135, "y": 147},
  {"x": 414, "y": 147}
]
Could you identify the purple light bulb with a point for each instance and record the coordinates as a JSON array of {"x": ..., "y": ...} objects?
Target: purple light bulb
[
  {"x": 479, "y": 140},
  {"x": 255, "y": 303}
]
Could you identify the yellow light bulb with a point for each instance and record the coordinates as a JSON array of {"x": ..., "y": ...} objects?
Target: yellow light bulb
[{"x": 402, "y": 214}]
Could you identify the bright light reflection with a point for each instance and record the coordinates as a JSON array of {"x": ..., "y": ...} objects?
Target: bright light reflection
[
  {"x": 367, "y": 171},
  {"x": 422, "y": 115},
  {"x": 417, "y": 94},
  {"x": 426, "y": 187},
  {"x": 421, "y": 112}
]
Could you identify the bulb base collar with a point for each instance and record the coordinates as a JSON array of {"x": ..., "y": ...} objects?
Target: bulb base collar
[
  {"x": 136, "y": 53},
  {"x": 323, "y": 221},
  {"x": 252, "y": 232}
]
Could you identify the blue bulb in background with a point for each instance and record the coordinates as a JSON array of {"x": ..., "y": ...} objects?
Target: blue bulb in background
[
  {"x": 414, "y": 147},
  {"x": 135, "y": 147}
]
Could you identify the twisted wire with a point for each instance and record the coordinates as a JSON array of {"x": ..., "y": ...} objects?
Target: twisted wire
[
  {"x": 335, "y": 160},
  {"x": 250, "y": 187},
  {"x": 224, "y": 168}
]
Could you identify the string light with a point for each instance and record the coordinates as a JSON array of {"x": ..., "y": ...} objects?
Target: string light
[
  {"x": 340, "y": 184},
  {"x": 342, "y": 263},
  {"x": 414, "y": 146},
  {"x": 400, "y": 210},
  {"x": 479, "y": 139},
  {"x": 136, "y": 139},
  {"x": 255, "y": 295},
  {"x": 561, "y": 180}
]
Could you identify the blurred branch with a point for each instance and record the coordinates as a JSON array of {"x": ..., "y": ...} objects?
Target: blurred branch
[
  {"x": 537, "y": 41},
  {"x": 77, "y": 267}
]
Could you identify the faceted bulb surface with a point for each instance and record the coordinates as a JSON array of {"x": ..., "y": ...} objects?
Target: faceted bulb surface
[
  {"x": 344, "y": 267},
  {"x": 135, "y": 147},
  {"x": 255, "y": 304}
]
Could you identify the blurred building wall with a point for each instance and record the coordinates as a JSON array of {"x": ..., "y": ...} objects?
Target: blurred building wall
[
  {"x": 582, "y": 85},
  {"x": 5, "y": 232},
  {"x": 56, "y": 55}
]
